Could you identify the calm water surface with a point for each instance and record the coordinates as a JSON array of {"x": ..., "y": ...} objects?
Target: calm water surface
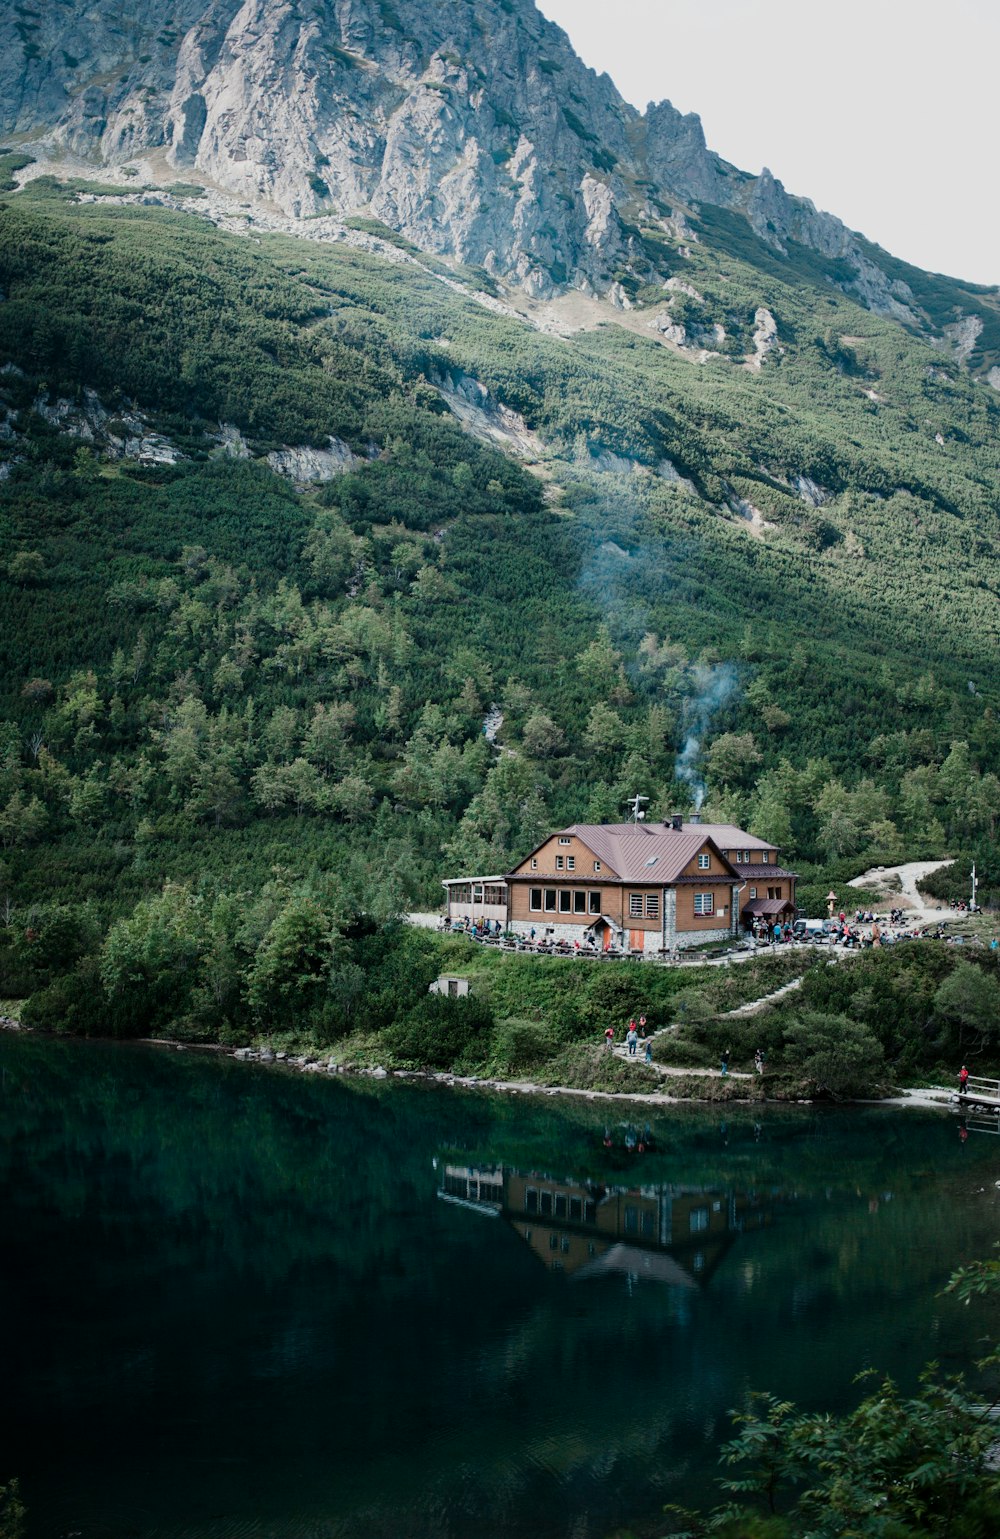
[{"x": 239, "y": 1302}]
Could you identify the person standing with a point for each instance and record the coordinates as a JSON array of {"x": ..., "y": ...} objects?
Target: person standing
[
  {"x": 609, "y": 1039},
  {"x": 632, "y": 1038},
  {"x": 725, "y": 1062},
  {"x": 963, "y": 1080},
  {"x": 758, "y": 1061},
  {"x": 649, "y": 1049}
]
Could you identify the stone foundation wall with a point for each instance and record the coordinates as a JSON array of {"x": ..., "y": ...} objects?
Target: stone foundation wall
[{"x": 685, "y": 938}]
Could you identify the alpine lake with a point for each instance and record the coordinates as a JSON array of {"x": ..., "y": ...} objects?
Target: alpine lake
[{"x": 241, "y": 1301}]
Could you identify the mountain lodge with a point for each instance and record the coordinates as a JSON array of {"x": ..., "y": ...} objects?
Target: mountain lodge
[{"x": 646, "y": 887}]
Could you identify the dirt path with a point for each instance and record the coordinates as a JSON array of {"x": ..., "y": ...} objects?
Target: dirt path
[
  {"x": 924, "y": 909},
  {"x": 621, "y": 1051}
]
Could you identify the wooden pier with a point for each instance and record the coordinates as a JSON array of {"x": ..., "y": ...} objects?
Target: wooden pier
[{"x": 980, "y": 1104}]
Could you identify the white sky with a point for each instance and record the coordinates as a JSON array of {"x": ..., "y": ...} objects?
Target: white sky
[{"x": 882, "y": 111}]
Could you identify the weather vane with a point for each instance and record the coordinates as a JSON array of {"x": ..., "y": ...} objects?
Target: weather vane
[{"x": 635, "y": 807}]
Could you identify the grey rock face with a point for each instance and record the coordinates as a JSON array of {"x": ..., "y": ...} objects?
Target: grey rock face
[{"x": 472, "y": 129}]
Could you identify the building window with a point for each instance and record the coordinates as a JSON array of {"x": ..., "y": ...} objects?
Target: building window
[
  {"x": 704, "y": 861},
  {"x": 546, "y": 1204},
  {"x": 774, "y": 892},
  {"x": 564, "y": 1244},
  {"x": 531, "y": 1200},
  {"x": 590, "y": 1212},
  {"x": 575, "y": 1209},
  {"x": 550, "y": 900},
  {"x": 579, "y": 903},
  {"x": 495, "y": 894},
  {"x": 753, "y": 892},
  {"x": 698, "y": 1220},
  {"x": 594, "y": 901},
  {"x": 534, "y": 863},
  {"x": 597, "y": 865},
  {"x": 535, "y": 899},
  {"x": 559, "y": 862},
  {"x": 570, "y": 862},
  {"x": 704, "y": 903},
  {"x": 652, "y": 905},
  {"x": 560, "y": 1205},
  {"x": 564, "y": 840},
  {"x": 635, "y": 905},
  {"x": 565, "y": 902}
]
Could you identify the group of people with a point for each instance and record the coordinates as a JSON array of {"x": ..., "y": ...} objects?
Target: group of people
[
  {"x": 759, "y": 1061},
  {"x": 478, "y": 929},
  {"x": 772, "y": 934},
  {"x": 632, "y": 1031}
]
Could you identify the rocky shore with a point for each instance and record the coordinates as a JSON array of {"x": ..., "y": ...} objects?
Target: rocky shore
[{"x": 306, "y": 1063}]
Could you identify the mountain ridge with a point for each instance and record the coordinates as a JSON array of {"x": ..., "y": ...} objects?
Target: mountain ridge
[{"x": 473, "y": 131}]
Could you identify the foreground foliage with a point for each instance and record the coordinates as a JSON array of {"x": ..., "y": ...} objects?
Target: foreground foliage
[{"x": 896, "y": 1467}]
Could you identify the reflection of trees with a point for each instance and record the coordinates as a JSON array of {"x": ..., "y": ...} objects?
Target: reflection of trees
[{"x": 184, "y": 1197}]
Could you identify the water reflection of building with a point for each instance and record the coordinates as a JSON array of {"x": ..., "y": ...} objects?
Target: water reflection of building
[{"x": 667, "y": 1232}]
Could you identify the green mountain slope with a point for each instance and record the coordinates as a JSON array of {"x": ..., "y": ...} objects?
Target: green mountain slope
[{"x": 207, "y": 672}]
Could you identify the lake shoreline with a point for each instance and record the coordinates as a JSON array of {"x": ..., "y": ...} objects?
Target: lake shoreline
[{"x": 920, "y": 1097}]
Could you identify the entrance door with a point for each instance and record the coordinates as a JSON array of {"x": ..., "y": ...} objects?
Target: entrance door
[
  {"x": 635, "y": 940},
  {"x": 607, "y": 937}
]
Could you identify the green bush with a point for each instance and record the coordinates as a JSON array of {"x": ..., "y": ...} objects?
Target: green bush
[{"x": 438, "y": 1032}]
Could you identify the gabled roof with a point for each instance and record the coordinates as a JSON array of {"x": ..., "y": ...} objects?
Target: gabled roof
[
  {"x": 643, "y": 852},
  {"x": 728, "y": 837}
]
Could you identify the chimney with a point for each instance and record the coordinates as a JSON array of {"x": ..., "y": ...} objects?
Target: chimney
[
  {"x": 677, "y": 821},
  {"x": 695, "y": 817}
]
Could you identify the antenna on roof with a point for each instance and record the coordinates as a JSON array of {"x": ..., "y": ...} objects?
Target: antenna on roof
[{"x": 635, "y": 808}]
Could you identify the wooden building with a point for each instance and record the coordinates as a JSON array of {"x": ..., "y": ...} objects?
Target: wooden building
[{"x": 647, "y": 887}]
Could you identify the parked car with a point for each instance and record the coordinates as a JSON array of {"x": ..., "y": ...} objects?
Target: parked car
[{"x": 808, "y": 929}]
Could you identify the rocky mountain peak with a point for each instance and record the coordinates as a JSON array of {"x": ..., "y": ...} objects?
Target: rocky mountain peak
[{"x": 470, "y": 127}]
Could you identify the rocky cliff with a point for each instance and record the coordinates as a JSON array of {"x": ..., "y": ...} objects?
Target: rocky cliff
[{"x": 468, "y": 126}]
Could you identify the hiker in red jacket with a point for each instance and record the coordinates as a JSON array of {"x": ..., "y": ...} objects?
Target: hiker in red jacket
[{"x": 963, "y": 1080}]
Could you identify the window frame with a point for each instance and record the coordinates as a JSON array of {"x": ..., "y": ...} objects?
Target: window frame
[
  {"x": 533, "y": 907},
  {"x": 635, "y": 905},
  {"x": 704, "y": 861},
  {"x": 652, "y": 905},
  {"x": 547, "y": 893},
  {"x": 703, "y": 898}
]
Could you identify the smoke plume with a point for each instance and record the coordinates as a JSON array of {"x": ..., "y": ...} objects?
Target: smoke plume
[{"x": 715, "y": 687}]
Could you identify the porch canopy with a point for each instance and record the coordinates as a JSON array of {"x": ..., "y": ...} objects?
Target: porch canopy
[{"x": 767, "y": 908}]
